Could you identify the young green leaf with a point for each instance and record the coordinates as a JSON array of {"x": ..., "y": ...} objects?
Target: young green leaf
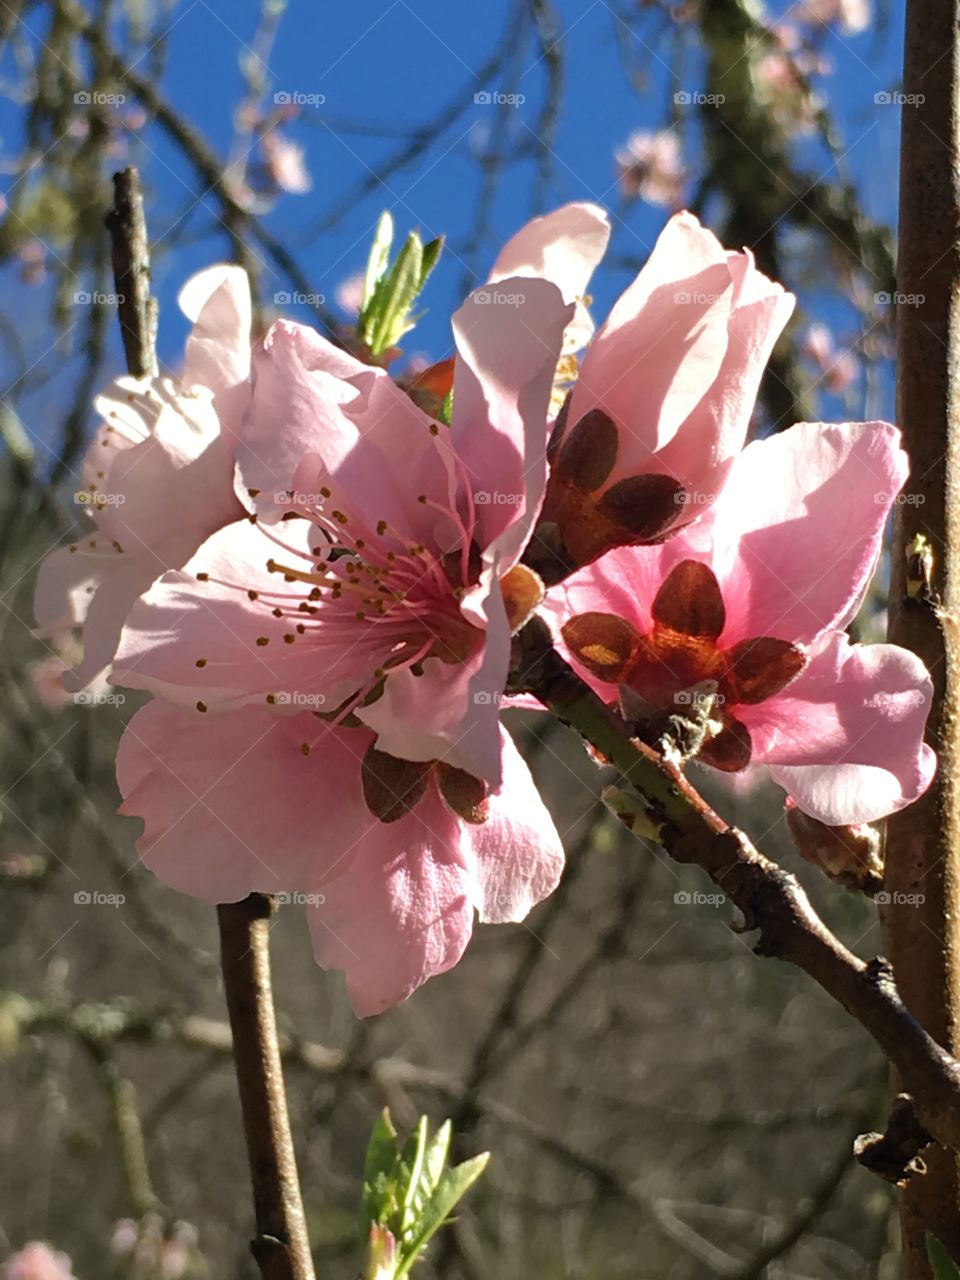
[
  {"x": 378, "y": 259},
  {"x": 452, "y": 1187},
  {"x": 942, "y": 1265}
]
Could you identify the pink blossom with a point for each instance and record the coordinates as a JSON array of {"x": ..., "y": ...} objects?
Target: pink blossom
[
  {"x": 157, "y": 478},
  {"x": 649, "y": 166},
  {"x": 853, "y": 16},
  {"x": 37, "y": 1261},
  {"x": 252, "y": 800},
  {"x": 284, "y": 163},
  {"x": 839, "y": 368},
  {"x": 751, "y": 603},
  {"x": 371, "y": 577},
  {"x": 349, "y": 294},
  {"x": 662, "y": 402}
]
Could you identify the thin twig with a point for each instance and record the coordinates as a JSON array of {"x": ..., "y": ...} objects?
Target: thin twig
[
  {"x": 281, "y": 1247},
  {"x": 131, "y": 272}
]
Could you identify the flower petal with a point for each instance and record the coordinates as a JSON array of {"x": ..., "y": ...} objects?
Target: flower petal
[
  {"x": 507, "y": 356},
  {"x": 564, "y": 246},
  {"x": 845, "y": 738},
  {"x": 232, "y": 804},
  {"x": 516, "y": 854},
  {"x": 798, "y": 528}
]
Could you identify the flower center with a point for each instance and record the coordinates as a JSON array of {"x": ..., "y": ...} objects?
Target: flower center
[{"x": 664, "y": 667}]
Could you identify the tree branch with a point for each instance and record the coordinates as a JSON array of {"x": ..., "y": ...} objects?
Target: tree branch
[
  {"x": 770, "y": 900},
  {"x": 281, "y": 1247}
]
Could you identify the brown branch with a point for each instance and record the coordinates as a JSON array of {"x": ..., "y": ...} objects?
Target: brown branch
[
  {"x": 922, "y": 935},
  {"x": 131, "y": 272},
  {"x": 281, "y": 1247},
  {"x": 770, "y": 900}
]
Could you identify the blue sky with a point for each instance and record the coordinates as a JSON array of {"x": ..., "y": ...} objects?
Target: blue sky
[{"x": 385, "y": 69}]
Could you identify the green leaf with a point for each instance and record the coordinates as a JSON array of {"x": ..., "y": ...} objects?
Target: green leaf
[
  {"x": 431, "y": 256},
  {"x": 378, "y": 259},
  {"x": 380, "y": 1173},
  {"x": 414, "y": 1155},
  {"x": 944, "y": 1268},
  {"x": 446, "y": 409},
  {"x": 453, "y": 1186},
  {"x": 394, "y": 298},
  {"x": 15, "y": 437}
]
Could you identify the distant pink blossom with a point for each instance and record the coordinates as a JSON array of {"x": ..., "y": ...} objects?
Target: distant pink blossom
[
  {"x": 349, "y": 294},
  {"x": 650, "y": 166},
  {"x": 750, "y": 605},
  {"x": 284, "y": 162},
  {"x": 37, "y": 1261},
  {"x": 853, "y": 16},
  {"x": 157, "y": 478},
  {"x": 839, "y": 369}
]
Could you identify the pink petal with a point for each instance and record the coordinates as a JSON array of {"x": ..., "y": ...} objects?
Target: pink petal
[
  {"x": 401, "y": 913},
  {"x": 564, "y": 246},
  {"x": 218, "y": 349},
  {"x": 662, "y": 345},
  {"x": 508, "y": 339},
  {"x": 799, "y": 527},
  {"x": 231, "y": 805},
  {"x": 183, "y": 621},
  {"x": 517, "y": 854},
  {"x": 845, "y": 739},
  {"x": 345, "y": 420},
  {"x": 451, "y": 711}
]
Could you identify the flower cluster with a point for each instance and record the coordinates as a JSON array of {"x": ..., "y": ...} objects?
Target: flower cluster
[{"x": 316, "y": 572}]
